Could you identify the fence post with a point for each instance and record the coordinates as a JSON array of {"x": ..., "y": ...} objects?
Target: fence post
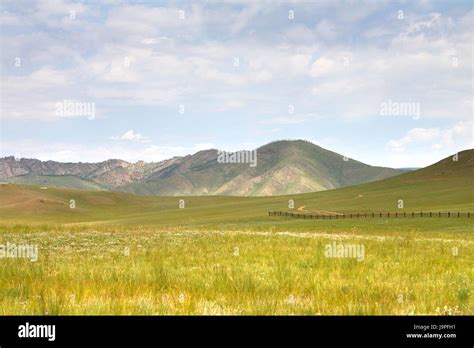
[{"x": 364, "y": 215}]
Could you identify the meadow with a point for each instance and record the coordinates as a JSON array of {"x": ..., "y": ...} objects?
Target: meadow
[
  {"x": 116, "y": 253},
  {"x": 137, "y": 270}
]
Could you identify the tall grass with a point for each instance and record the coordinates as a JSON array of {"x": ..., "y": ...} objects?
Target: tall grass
[{"x": 137, "y": 270}]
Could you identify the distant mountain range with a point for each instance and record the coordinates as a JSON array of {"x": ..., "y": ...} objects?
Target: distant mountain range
[{"x": 283, "y": 167}]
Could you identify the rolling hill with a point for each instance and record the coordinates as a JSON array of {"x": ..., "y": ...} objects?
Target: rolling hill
[
  {"x": 124, "y": 254},
  {"x": 66, "y": 181},
  {"x": 283, "y": 167},
  {"x": 446, "y": 185}
]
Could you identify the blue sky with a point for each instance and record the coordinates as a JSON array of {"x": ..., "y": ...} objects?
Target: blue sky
[{"x": 172, "y": 78}]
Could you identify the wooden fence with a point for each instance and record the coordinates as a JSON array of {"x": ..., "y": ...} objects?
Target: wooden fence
[{"x": 373, "y": 215}]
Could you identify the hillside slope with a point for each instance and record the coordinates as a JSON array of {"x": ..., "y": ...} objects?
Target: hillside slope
[
  {"x": 66, "y": 181},
  {"x": 445, "y": 186},
  {"x": 283, "y": 167}
]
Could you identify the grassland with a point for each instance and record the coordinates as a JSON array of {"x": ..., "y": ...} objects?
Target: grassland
[
  {"x": 116, "y": 253},
  {"x": 66, "y": 181}
]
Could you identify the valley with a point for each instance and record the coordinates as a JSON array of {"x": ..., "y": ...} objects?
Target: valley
[{"x": 118, "y": 253}]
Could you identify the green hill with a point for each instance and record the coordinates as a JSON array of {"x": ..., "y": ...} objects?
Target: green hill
[
  {"x": 125, "y": 254},
  {"x": 282, "y": 167},
  {"x": 446, "y": 185},
  {"x": 66, "y": 181}
]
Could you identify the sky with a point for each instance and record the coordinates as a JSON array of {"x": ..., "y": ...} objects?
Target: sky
[{"x": 384, "y": 82}]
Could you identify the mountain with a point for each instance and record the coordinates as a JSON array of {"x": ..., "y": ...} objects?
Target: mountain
[
  {"x": 445, "y": 186},
  {"x": 67, "y": 181},
  {"x": 109, "y": 174},
  {"x": 282, "y": 167}
]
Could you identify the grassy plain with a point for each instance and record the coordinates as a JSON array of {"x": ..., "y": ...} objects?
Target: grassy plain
[{"x": 116, "y": 253}]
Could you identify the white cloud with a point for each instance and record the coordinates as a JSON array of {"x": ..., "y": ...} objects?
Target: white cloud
[
  {"x": 323, "y": 66},
  {"x": 301, "y": 62},
  {"x": 336, "y": 88},
  {"x": 414, "y": 135},
  {"x": 432, "y": 71},
  {"x": 131, "y": 136},
  {"x": 151, "y": 21},
  {"x": 460, "y": 135},
  {"x": 242, "y": 18},
  {"x": 47, "y": 8},
  {"x": 7, "y": 18},
  {"x": 35, "y": 96},
  {"x": 293, "y": 119},
  {"x": 127, "y": 151},
  {"x": 326, "y": 30},
  {"x": 424, "y": 23},
  {"x": 123, "y": 66},
  {"x": 299, "y": 34},
  {"x": 232, "y": 105}
]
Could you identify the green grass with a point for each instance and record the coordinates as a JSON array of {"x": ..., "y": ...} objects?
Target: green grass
[
  {"x": 224, "y": 255},
  {"x": 52, "y": 205},
  {"x": 87, "y": 271},
  {"x": 66, "y": 181}
]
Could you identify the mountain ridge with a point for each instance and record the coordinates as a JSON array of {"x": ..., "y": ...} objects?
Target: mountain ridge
[
  {"x": 283, "y": 167},
  {"x": 444, "y": 186}
]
